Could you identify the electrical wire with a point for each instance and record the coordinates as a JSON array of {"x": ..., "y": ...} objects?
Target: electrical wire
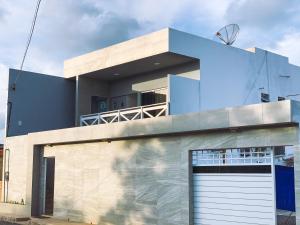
[
  {"x": 267, "y": 71},
  {"x": 28, "y": 42},
  {"x": 256, "y": 78}
]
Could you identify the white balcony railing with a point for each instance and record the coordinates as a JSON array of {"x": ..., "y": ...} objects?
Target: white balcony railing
[{"x": 142, "y": 112}]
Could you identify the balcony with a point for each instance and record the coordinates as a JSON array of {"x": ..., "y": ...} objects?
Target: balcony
[{"x": 128, "y": 114}]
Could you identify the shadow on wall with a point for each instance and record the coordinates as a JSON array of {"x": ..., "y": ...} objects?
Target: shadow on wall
[
  {"x": 76, "y": 215},
  {"x": 155, "y": 178},
  {"x": 154, "y": 182}
]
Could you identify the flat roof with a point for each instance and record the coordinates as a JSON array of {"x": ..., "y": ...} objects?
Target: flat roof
[
  {"x": 136, "y": 55},
  {"x": 146, "y": 46}
]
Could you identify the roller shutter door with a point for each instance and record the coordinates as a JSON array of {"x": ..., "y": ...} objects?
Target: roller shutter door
[
  {"x": 233, "y": 195},
  {"x": 233, "y": 199}
]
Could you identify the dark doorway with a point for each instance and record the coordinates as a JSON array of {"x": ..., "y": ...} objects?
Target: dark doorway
[
  {"x": 148, "y": 98},
  {"x": 154, "y": 97},
  {"x": 49, "y": 195}
]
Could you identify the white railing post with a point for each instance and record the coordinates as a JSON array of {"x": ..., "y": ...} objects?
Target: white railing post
[
  {"x": 168, "y": 108},
  {"x": 142, "y": 113},
  {"x": 81, "y": 123},
  {"x": 119, "y": 116}
]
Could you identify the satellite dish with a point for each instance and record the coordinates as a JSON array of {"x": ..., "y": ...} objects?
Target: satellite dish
[{"x": 228, "y": 34}]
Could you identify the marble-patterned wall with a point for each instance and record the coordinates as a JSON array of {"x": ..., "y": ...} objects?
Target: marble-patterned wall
[
  {"x": 16, "y": 163},
  {"x": 140, "y": 181},
  {"x": 296, "y": 117}
]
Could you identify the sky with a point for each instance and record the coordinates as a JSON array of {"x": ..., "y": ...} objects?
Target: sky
[{"x": 68, "y": 28}]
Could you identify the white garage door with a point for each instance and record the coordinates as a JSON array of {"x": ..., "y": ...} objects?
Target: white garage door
[{"x": 233, "y": 192}]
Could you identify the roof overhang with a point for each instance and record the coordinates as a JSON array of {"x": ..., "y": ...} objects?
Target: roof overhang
[
  {"x": 141, "y": 66},
  {"x": 139, "y": 55}
]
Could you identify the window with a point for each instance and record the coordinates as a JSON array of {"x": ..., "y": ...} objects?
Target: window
[
  {"x": 265, "y": 97},
  {"x": 124, "y": 101},
  {"x": 118, "y": 102}
]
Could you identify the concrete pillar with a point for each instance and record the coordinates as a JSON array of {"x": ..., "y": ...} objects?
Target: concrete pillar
[{"x": 77, "y": 122}]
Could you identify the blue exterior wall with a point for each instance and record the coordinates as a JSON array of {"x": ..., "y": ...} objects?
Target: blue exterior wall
[
  {"x": 40, "y": 102},
  {"x": 285, "y": 188}
]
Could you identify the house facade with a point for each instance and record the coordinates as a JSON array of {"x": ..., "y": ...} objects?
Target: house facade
[{"x": 167, "y": 128}]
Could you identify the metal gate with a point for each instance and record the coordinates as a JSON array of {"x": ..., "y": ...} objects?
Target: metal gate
[{"x": 233, "y": 186}]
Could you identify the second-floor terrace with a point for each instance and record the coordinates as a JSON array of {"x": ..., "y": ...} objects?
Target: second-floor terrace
[
  {"x": 136, "y": 79},
  {"x": 142, "y": 89}
]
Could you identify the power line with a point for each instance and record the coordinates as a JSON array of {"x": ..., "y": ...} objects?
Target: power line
[
  {"x": 256, "y": 78},
  {"x": 28, "y": 42},
  {"x": 267, "y": 70}
]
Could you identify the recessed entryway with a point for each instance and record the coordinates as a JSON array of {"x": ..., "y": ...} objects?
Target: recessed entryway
[{"x": 49, "y": 186}]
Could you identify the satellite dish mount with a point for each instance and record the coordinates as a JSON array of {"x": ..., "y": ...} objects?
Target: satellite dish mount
[{"x": 228, "y": 34}]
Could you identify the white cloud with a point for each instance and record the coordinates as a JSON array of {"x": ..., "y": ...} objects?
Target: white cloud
[
  {"x": 3, "y": 86},
  {"x": 3, "y": 96},
  {"x": 289, "y": 46},
  {"x": 78, "y": 27},
  {"x": 2, "y": 13},
  {"x": 265, "y": 14},
  {"x": 264, "y": 23}
]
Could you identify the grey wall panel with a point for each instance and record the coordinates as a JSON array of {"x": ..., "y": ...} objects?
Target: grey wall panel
[
  {"x": 153, "y": 80},
  {"x": 184, "y": 95},
  {"x": 232, "y": 77},
  {"x": 89, "y": 87},
  {"x": 40, "y": 102}
]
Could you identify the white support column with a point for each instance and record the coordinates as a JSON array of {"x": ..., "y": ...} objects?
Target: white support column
[
  {"x": 297, "y": 181},
  {"x": 77, "y": 116},
  {"x": 43, "y": 172},
  {"x": 274, "y": 184}
]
